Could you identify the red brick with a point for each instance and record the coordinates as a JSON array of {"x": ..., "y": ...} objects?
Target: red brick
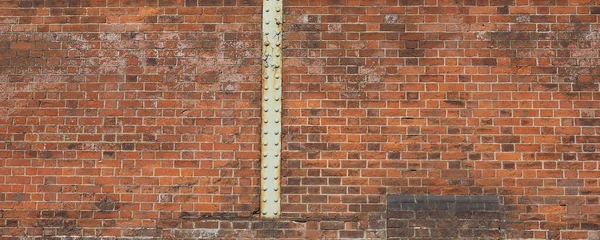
[{"x": 131, "y": 98}]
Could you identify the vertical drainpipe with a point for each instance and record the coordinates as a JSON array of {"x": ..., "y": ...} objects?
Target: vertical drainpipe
[{"x": 272, "y": 20}]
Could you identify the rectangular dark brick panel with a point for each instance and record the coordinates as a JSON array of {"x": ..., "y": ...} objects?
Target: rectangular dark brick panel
[{"x": 443, "y": 217}]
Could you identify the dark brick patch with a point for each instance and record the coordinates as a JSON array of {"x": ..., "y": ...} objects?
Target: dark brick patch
[{"x": 443, "y": 217}]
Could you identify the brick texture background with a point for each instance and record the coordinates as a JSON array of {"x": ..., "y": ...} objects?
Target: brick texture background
[{"x": 123, "y": 118}]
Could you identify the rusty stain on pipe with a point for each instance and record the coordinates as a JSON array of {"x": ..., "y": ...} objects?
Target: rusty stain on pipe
[{"x": 272, "y": 34}]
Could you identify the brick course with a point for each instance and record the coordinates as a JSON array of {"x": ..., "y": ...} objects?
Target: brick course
[{"x": 141, "y": 118}]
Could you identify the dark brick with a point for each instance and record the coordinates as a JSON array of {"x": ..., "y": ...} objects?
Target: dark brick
[
  {"x": 401, "y": 198},
  {"x": 484, "y": 61},
  {"x": 401, "y": 232},
  {"x": 332, "y": 225}
]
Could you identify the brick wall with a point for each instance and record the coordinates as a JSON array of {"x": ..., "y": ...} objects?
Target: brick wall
[
  {"x": 141, "y": 117},
  {"x": 443, "y": 217}
]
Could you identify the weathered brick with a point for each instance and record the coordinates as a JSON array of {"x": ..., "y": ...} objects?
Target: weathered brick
[{"x": 109, "y": 108}]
